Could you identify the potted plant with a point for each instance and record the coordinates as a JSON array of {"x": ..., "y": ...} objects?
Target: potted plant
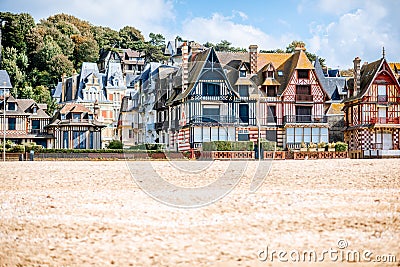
[
  {"x": 331, "y": 147},
  {"x": 312, "y": 147},
  {"x": 303, "y": 147},
  {"x": 321, "y": 146}
]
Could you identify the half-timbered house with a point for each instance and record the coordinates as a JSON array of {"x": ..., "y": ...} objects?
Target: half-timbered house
[
  {"x": 75, "y": 127},
  {"x": 372, "y": 111},
  {"x": 246, "y": 96}
]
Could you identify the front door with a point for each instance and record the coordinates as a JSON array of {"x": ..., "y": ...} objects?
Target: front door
[{"x": 387, "y": 140}]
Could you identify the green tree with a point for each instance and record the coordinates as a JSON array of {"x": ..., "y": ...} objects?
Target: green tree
[
  {"x": 105, "y": 37},
  {"x": 16, "y": 29},
  {"x": 15, "y": 64},
  {"x": 131, "y": 38},
  {"x": 153, "y": 49},
  {"x": 86, "y": 50},
  {"x": 60, "y": 65},
  {"x": 45, "y": 52}
]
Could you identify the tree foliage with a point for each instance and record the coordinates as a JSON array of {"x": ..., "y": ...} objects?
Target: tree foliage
[{"x": 224, "y": 46}]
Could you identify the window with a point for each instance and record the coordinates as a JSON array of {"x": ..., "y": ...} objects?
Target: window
[
  {"x": 280, "y": 73},
  {"x": 34, "y": 110},
  {"x": 62, "y": 116},
  {"x": 130, "y": 134},
  {"x": 65, "y": 139},
  {"x": 271, "y": 135},
  {"x": 270, "y": 74},
  {"x": 35, "y": 124},
  {"x": 271, "y": 90},
  {"x": 91, "y": 144},
  {"x": 11, "y": 106},
  {"x": 271, "y": 116},
  {"x": 11, "y": 123},
  {"x": 382, "y": 97},
  {"x": 76, "y": 117},
  {"x": 211, "y": 113},
  {"x": 243, "y": 135},
  {"x": 244, "y": 113},
  {"x": 244, "y": 90},
  {"x": 211, "y": 89},
  {"x": 90, "y": 117},
  {"x": 303, "y": 114},
  {"x": 79, "y": 139},
  {"x": 242, "y": 73},
  {"x": 307, "y": 135},
  {"x": 303, "y": 90},
  {"x": 302, "y": 74}
]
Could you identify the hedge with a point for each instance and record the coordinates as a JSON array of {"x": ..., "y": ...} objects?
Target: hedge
[
  {"x": 341, "y": 147},
  {"x": 146, "y": 147},
  {"x": 228, "y": 146}
]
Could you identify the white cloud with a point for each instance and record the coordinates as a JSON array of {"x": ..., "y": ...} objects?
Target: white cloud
[
  {"x": 219, "y": 27},
  {"x": 147, "y": 16},
  {"x": 361, "y": 32}
]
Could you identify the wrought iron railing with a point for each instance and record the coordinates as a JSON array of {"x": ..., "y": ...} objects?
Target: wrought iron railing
[
  {"x": 214, "y": 119},
  {"x": 304, "y": 119}
]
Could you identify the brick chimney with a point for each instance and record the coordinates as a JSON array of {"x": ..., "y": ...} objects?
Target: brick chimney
[
  {"x": 253, "y": 58},
  {"x": 185, "y": 65},
  {"x": 357, "y": 74}
]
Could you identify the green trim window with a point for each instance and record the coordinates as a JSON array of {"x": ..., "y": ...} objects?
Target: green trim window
[{"x": 12, "y": 123}]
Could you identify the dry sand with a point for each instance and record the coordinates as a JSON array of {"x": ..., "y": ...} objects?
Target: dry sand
[{"x": 93, "y": 214}]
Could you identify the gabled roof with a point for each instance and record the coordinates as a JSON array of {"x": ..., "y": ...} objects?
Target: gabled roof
[
  {"x": 368, "y": 74},
  {"x": 74, "y": 107},
  {"x": 196, "y": 67}
]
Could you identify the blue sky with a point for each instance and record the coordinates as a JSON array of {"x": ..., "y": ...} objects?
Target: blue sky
[{"x": 335, "y": 30}]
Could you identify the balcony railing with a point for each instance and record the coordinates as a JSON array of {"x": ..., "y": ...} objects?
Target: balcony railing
[
  {"x": 37, "y": 131},
  {"x": 384, "y": 120},
  {"x": 304, "y": 98},
  {"x": 214, "y": 119},
  {"x": 304, "y": 119},
  {"x": 382, "y": 98}
]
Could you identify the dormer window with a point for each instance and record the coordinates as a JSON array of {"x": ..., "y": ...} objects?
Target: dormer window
[
  {"x": 242, "y": 73},
  {"x": 34, "y": 110},
  {"x": 302, "y": 74},
  {"x": 76, "y": 117},
  {"x": 62, "y": 116},
  {"x": 11, "y": 106},
  {"x": 270, "y": 74},
  {"x": 90, "y": 117},
  {"x": 244, "y": 90}
]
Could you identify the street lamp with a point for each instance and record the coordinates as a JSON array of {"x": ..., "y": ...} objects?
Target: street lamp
[{"x": 4, "y": 121}]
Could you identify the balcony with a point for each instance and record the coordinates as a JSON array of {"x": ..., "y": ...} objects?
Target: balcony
[
  {"x": 384, "y": 120},
  {"x": 382, "y": 99},
  {"x": 214, "y": 119},
  {"x": 304, "y": 119},
  {"x": 304, "y": 98},
  {"x": 37, "y": 132}
]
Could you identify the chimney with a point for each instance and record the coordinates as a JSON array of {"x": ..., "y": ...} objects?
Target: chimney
[
  {"x": 357, "y": 71},
  {"x": 185, "y": 65},
  {"x": 253, "y": 58}
]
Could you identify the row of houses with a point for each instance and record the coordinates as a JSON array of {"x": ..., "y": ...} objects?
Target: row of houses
[{"x": 202, "y": 95}]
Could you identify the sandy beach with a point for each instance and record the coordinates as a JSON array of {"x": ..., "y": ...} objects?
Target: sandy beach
[{"x": 92, "y": 213}]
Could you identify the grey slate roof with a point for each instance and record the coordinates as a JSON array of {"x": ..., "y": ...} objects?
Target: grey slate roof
[{"x": 5, "y": 80}]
